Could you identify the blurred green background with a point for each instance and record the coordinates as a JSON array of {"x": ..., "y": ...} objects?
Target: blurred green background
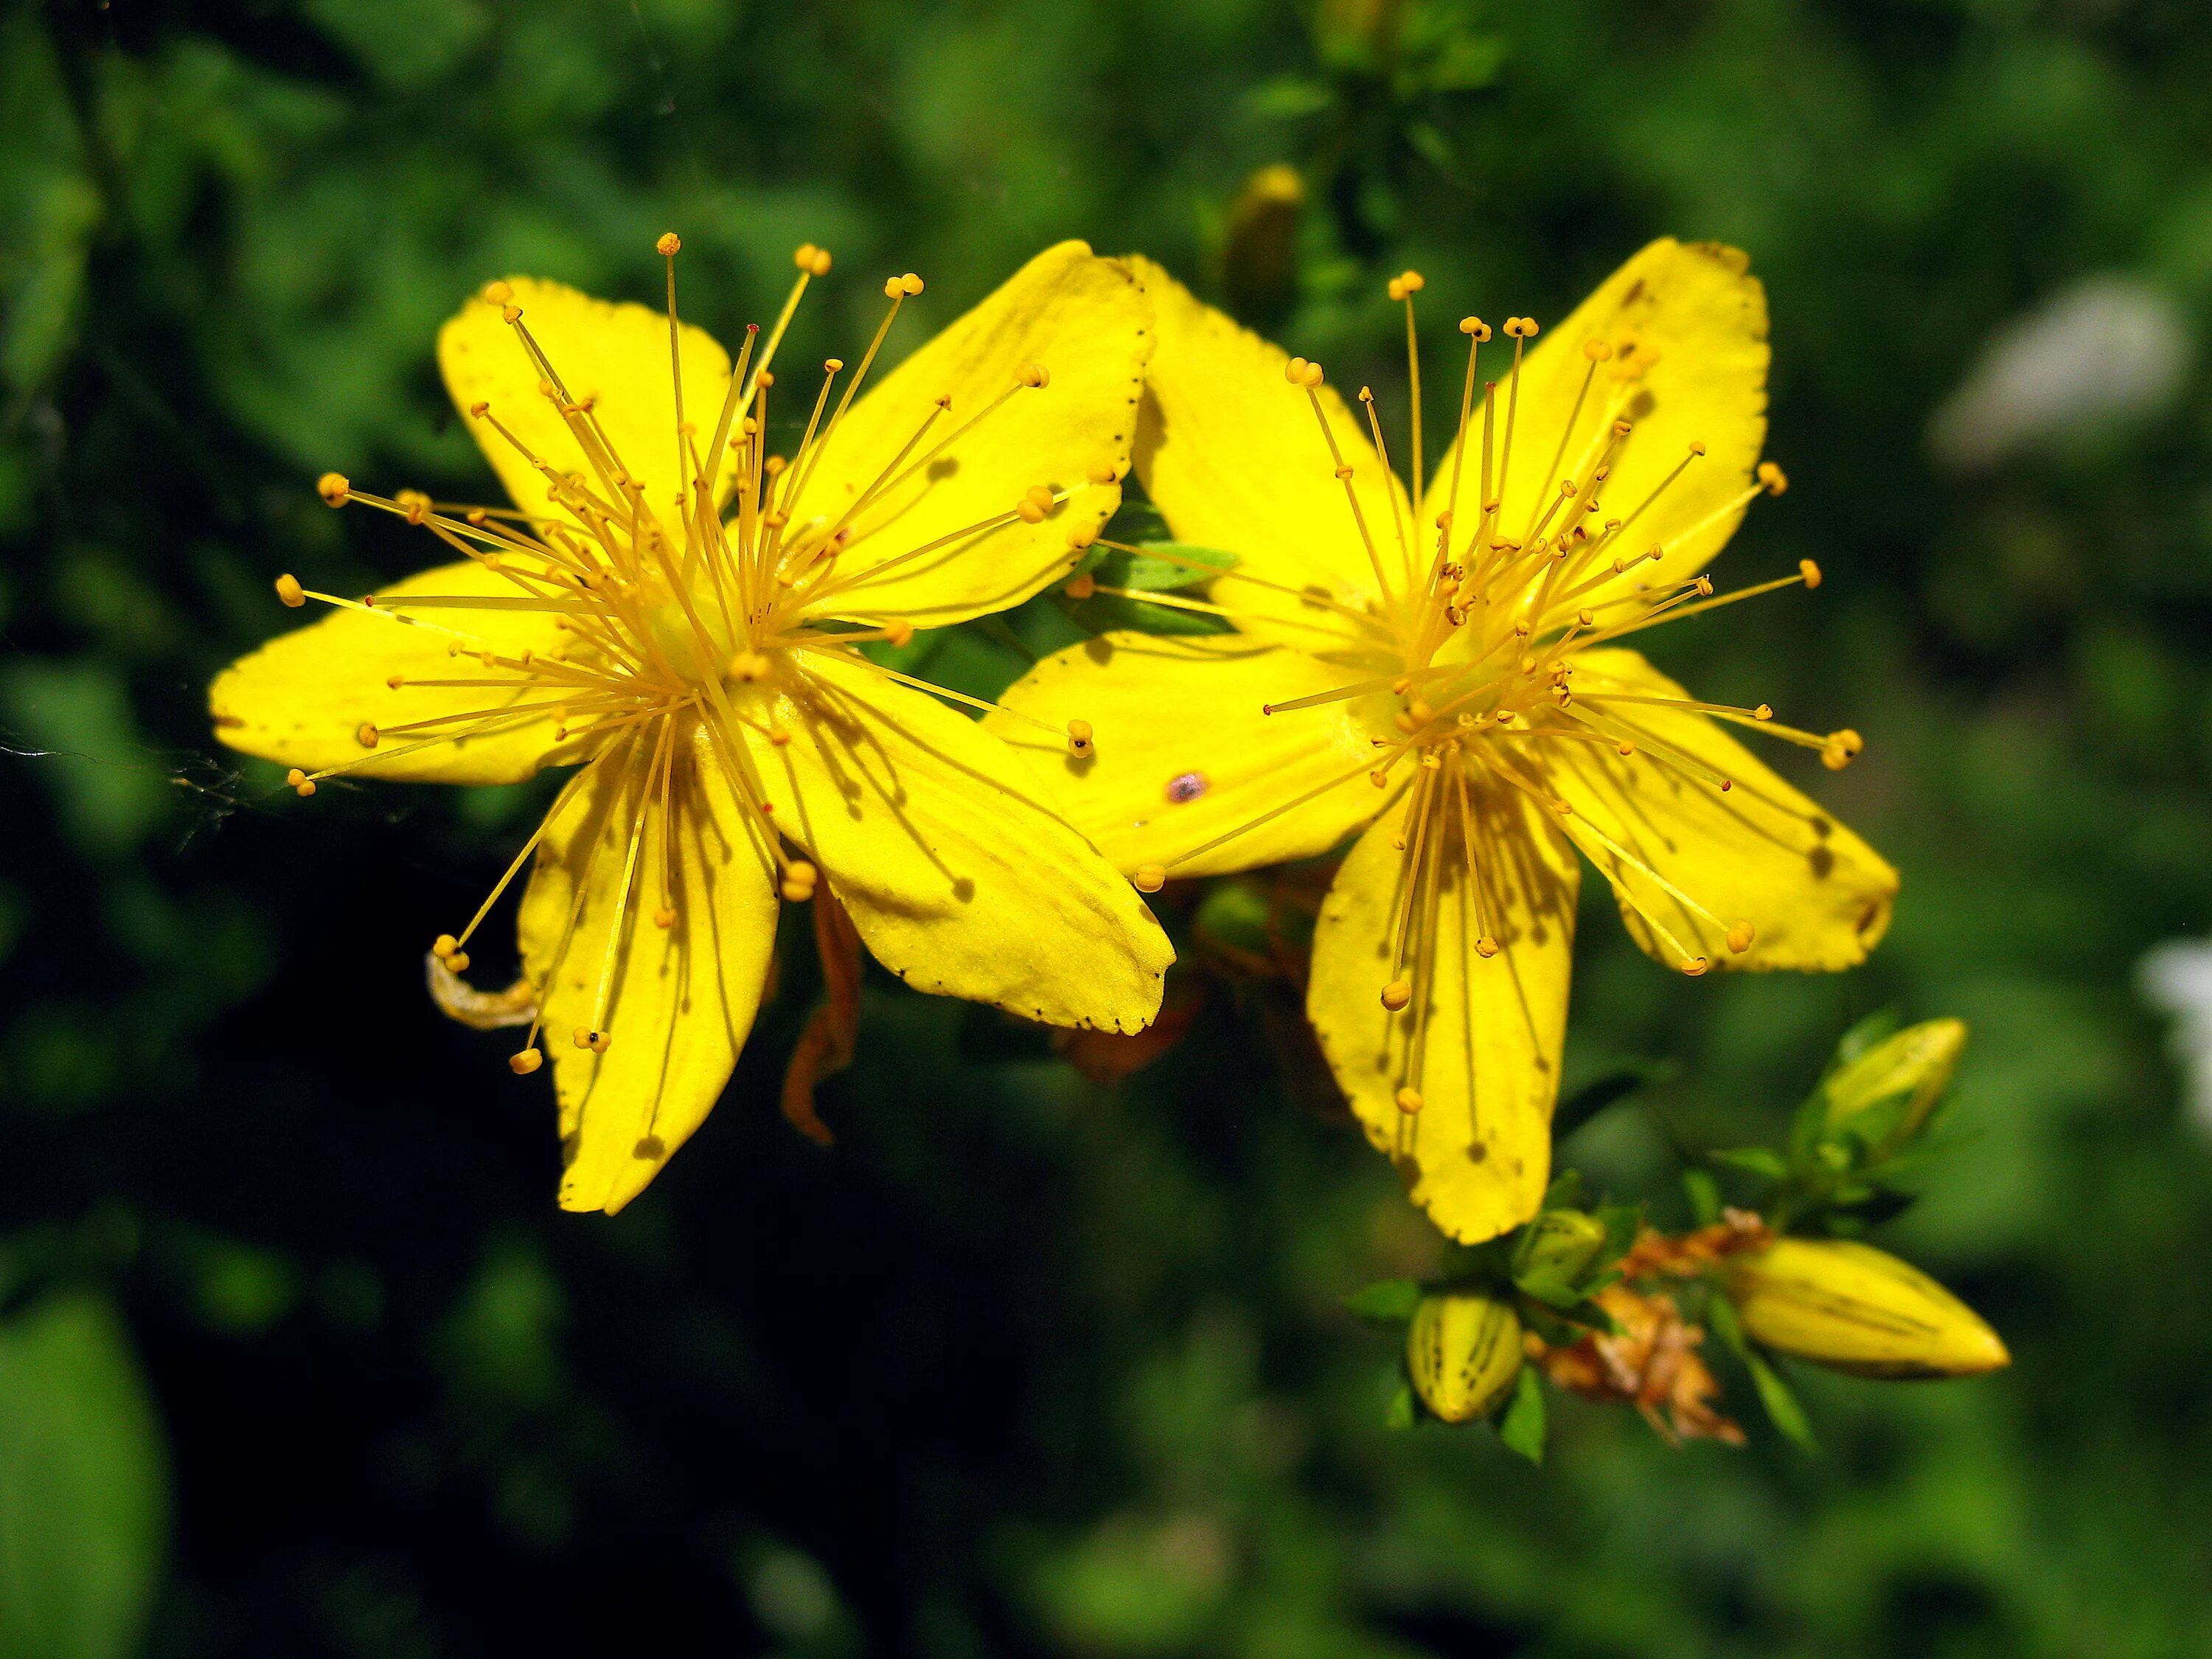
[{"x": 297, "y": 1356}]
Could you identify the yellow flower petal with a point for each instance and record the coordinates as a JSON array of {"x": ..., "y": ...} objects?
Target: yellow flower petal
[
  {"x": 1181, "y": 753},
  {"x": 1697, "y": 307},
  {"x": 1817, "y": 896},
  {"x": 1081, "y": 318},
  {"x": 683, "y": 996},
  {"x": 1231, "y": 454},
  {"x": 960, "y": 881},
  {"x": 615, "y": 355},
  {"x": 1477, "y": 1152},
  {"x": 303, "y": 698}
]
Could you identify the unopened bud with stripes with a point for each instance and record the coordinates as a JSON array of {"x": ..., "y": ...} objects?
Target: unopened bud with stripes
[
  {"x": 1855, "y": 1308},
  {"x": 1916, "y": 1062},
  {"x": 1463, "y": 1351}
]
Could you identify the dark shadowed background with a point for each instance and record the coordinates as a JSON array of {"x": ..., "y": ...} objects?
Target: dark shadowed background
[{"x": 298, "y": 1357}]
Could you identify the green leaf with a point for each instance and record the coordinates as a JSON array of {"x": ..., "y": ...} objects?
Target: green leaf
[
  {"x": 1522, "y": 1425},
  {"x": 1289, "y": 96},
  {"x": 83, "y": 1484},
  {"x": 1401, "y": 1413},
  {"x": 1162, "y": 567},
  {"x": 1783, "y": 1408},
  {"x": 1752, "y": 1160},
  {"x": 1391, "y": 1301},
  {"x": 1705, "y": 1196},
  {"x": 1600, "y": 1093}
]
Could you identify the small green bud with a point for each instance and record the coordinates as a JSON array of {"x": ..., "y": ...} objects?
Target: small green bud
[
  {"x": 1463, "y": 1351},
  {"x": 1855, "y": 1308},
  {"x": 1912, "y": 1067},
  {"x": 1560, "y": 1243}
]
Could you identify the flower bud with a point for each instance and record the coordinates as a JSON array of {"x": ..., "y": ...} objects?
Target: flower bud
[
  {"x": 1855, "y": 1308},
  {"x": 1463, "y": 1351},
  {"x": 1914, "y": 1065},
  {"x": 1560, "y": 1243}
]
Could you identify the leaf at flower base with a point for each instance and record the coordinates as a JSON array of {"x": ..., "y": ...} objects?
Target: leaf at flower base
[
  {"x": 1780, "y": 1401},
  {"x": 1390, "y": 1301},
  {"x": 1522, "y": 1425}
]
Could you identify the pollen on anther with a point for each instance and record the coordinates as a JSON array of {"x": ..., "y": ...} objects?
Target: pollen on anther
[
  {"x": 334, "y": 487},
  {"x": 497, "y": 293},
  {"x": 365, "y": 735},
  {"x": 1034, "y": 375},
  {"x": 1149, "y": 877},
  {"x": 1841, "y": 749},
  {"x": 1740, "y": 936},
  {"x": 1409, "y": 1101},
  {"x": 299, "y": 783},
  {"x": 798, "y": 879},
  {"x": 523, "y": 1064},
  {"x": 1486, "y": 947},
  {"x": 1695, "y": 967},
  {"x": 290, "y": 591},
  {"x": 1475, "y": 327},
  {"x": 395, "y": 681},
  {"x": 1773, "y": 478},
  {"x": 1082, "y": 587},
  {"x": 1078, "y": 737},
  {"x": 669, "y": 246},
  {"x": 1810, "y": 572},
  {"x": 1397, "y": 994}
]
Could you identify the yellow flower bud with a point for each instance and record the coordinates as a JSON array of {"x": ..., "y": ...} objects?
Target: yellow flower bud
[
  {"x": 1917, "y": 1062},
  {"x": 1563, "y": 1243},
  {"x": 1855, "y": 1308},
  {"x": 1463, "y": 1351}
]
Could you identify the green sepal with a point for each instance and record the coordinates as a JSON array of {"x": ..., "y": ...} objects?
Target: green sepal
[
  {"x": 1522, "y": 1424},
  {"x": 1388, "y": 1301}
]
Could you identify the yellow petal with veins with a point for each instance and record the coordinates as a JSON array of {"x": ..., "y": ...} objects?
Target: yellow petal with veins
[
  {"x": 1476, "y": 1154},
  {"x": 1231, "y": 454},
  {"x": 615, "y": 356},
  {"x": 1686, "y": 327},
  {"x": 1182, "y": 752},
  {"x": 959, "y": 877},
  {"x": 302, "y": 699},
  {"x": 681, "y": 997},
  {"x": 1085, "y": 322},
  {"x": 1818, "y": 896}
]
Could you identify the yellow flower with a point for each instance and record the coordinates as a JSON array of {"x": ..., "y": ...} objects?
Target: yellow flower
[
  {"x": 1453, "y": 679},
  {"x": 677, "y": 611}
]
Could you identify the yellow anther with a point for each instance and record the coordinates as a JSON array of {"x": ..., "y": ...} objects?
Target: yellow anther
[
  {"x": 416, "y": 503},
  {"x": 1380, "y": 780},
  {"x": 669, "y": 244},
  {"x": 1486, "y": 947},
  {"x": 1294, "y": 371},
  {"x": 664, "y": 917},
  {"x": 497, "y": 293},
  {"x": 798, "y": 882},
  {"x": 395, "y": 681},
  {"x": 1705, "y": 586},
  {"x": 365, "y": 735},
  {"x": 1404, "y": 721},
  {"x": 1082, "y": 587},
  {"x": 1105, "y": 472},
  {"x": 802, "y": 255},
  {"x": 1149, "y": 877},
  {"x": 1080, "y": 537},
  {"x": 910, "y": 285},
  {"x": 1697, "y": 446},
  {"x": 1740, "y": 936},
  {"x": 1029, "y": 512},
  {"x": 1810, "y": 572},
  {"x": 290, "y": 591},
  {"x": 1596, "y": 350},
  {"x": 1420, "y": 711},
  {"x": 1841, "y": 749},
  {"x": 1695, "y": 967},
  {"x": 334, "y": 487},
  {"x": 585, "y": 1037},
  {"x": 1040, "y": 493},
  {"x": 898, "y": 631},
  {"x": 1397, "y": 994},
  {"x": 1367, "y": 394},
  {"x": 299, "y": 783},
  {"x": 761, "y": 377},
  {"x": 1310, "y": 376},
  {"x": 524, "y": 1064},
  {"x": 1034, "y": 375},
  {"x": 748, "y": 665},
  {"x": 1764, "y": 712},
  {"x": 1409, "y": 1101},
  {"x": 444, "y": 945},
  {"x": 1773, "y": 478},
  {"x": 1475, "y": 327},
  {"x": 1586, "y": 617},
  {"x": 779, "y": 737},
  {"x": 510, "y": 313},
  {"x": 1343, "y": 473},
  {"x": 1078, "y": 737},
  {"x": 458, "y": 962},
  {"x": 1625, "y": 749}
]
